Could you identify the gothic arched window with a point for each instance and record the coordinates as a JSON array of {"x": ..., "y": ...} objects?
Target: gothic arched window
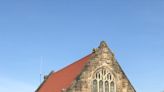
[{"x": 103, "y": 81}]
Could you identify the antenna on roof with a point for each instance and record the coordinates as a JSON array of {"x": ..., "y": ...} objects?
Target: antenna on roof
[{"x": 41, "y": 62}]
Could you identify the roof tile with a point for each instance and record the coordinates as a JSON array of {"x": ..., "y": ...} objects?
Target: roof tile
[{"x": 63, "y": 78}]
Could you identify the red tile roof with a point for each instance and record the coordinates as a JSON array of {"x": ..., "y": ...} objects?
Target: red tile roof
[{"x": 63, "y": 78}]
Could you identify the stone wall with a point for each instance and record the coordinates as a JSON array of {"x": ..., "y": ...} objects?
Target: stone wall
[{"x": 103, "y": 58}]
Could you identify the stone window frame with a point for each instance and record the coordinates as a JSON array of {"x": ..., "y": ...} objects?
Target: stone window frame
[{"x": 103, "y": 74}]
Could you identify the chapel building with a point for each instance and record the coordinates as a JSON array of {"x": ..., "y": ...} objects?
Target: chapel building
[{"x": 96, "y": 72}]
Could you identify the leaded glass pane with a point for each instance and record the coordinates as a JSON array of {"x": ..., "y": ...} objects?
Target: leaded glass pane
[
  {"x": 95, "y": 86},
  {"x": 101, "y": 86},
  {"x": 106, "y": 86},
  {"x": 112, "y": 87}
]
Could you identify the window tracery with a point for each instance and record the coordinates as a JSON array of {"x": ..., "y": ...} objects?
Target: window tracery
[{"x": 103, "y": 81}]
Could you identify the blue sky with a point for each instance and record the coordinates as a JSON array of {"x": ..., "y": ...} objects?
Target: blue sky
[{"x": 63, "y": 31}]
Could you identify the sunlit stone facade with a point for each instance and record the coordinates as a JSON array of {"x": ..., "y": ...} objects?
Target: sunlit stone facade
[{"x": 101, "y": 74}]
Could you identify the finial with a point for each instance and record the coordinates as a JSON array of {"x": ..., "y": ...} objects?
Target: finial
[
  {"x": 103, "y": 51},
  {"x": 103, "y": 44},
  {"x": 104, "y": 47}
]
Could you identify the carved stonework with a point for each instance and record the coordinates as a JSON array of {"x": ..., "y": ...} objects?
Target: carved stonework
[{"x": 101, "y": 67}]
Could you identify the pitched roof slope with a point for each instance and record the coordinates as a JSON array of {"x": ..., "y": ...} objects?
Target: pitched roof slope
[{"x": 63, "y": 78}]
